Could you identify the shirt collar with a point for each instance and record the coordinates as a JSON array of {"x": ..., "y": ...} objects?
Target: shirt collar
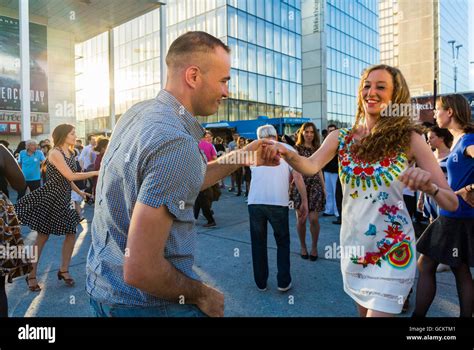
[{"x": 188, "y": 121}]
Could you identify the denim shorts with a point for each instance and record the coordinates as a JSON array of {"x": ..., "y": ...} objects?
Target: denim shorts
[{"x": 171, "y": 310}]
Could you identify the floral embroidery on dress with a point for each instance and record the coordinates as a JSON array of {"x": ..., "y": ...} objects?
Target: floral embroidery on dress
[
  {"x": 361, "y": 174},
  {"x": 395, "y": 247}
]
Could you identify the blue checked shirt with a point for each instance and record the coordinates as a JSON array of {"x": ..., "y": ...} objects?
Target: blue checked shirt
[{"x": 153, "y": 157}]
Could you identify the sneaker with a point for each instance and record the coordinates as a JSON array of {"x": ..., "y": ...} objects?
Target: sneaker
[
  {"x": 262, "y": 289},
  {"x": 324, "y": 214},
  {"x": 209, "y": 224},
  {"x": 285, "y": 289},
  {"x": 231, "y": 189},
  {"x": 337, "y": 222}
]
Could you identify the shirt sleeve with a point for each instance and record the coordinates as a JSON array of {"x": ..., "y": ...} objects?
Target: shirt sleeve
[
  {"x": 20, "y": 156},
  {"x": 468, "y": 140},
  {"x": 82, "y": 155},
  {"x": 41, "y": 156},
  {"x": 169, "y": 174}
]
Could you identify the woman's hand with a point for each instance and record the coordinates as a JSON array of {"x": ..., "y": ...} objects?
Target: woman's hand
[
  {"x": 466, "y": 195},
  {"x": 302, "y": 212},
  {"x": 85, "y": 195},
  {"x": 417, "y": 179}
]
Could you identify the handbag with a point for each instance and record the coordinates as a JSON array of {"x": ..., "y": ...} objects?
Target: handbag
[{"x": 13, "y": 260}]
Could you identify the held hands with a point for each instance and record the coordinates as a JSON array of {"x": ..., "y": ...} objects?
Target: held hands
[
  {"x": 466, "y": 195},
  {"x": 268, "y": 152},
  {"x": 417, "y": 179}
]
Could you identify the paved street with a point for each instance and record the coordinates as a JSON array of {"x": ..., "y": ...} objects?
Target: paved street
[{"x": 223, "y": 260}]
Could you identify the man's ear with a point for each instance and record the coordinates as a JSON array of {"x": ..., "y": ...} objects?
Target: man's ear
[{"x": 191, "y": 76}]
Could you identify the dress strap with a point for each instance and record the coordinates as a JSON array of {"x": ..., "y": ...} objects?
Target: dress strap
[{"x": 62, "y": 152}]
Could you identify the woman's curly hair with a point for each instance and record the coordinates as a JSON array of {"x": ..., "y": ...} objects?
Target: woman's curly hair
[{"x": 390, "y": 133}]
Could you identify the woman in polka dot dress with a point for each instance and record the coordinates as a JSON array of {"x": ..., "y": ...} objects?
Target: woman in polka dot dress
[{"x": 48, "y": 210}]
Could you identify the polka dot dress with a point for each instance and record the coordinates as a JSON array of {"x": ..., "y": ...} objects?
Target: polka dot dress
[{"x": 49, "y": 210}]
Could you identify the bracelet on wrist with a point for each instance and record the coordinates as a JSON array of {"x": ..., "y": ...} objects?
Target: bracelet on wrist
[{"x": 435, "y": 191}]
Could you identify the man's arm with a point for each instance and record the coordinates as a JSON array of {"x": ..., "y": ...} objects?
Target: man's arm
[
  {"x": 147, "y": 269},
  {"x": 217, "y": 170}
]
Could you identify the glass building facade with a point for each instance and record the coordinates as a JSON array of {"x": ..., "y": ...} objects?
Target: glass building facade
[
  {"x": 264, "y": 36},
  {"x": 453, "y": 17},
  {"x": 352, "y": 36},
  {"x": 92, "y": 85},
  {"x": 415, "y": 36}
]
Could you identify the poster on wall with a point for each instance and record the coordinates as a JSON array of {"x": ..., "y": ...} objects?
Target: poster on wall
[{"x": 10, "y": 90}]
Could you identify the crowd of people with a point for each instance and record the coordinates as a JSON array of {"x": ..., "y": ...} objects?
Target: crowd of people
[{"x": 150, "y": 188}]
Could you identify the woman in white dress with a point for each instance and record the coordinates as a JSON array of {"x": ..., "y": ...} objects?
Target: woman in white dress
[{"x": 375, "y": 157}]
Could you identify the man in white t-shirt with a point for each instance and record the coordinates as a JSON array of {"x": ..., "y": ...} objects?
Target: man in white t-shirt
[
  {"x": 268, "y": 201},
  {"x": 87, "y": 160},
  {"x": 88, "y": 155}
]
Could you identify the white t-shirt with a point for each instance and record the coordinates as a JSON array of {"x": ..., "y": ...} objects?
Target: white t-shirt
[
  {"x": 87, "y": 156},
  {"x": 270, "y": 184}
]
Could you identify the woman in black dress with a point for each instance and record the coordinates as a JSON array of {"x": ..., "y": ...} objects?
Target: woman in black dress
[
  {"x": 48, "y": 210},
  {"x": 307, "y": 143},
  {"x": 11, "y": 172}
]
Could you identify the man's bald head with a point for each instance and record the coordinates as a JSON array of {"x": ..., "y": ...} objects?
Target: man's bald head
[{"x": 192, "y": 48}]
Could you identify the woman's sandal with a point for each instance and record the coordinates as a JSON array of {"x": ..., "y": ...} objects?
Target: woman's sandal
[
  {"x": 69, "y": 281},
  {"x": 33, "y": 288}
]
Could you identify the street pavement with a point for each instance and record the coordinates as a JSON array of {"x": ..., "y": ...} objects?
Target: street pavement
[{"x": 223, "y": 260}]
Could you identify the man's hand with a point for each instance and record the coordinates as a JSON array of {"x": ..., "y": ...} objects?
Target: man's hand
[
  {"x": 467, "y": 196},
  {"x": 212, "y": 302}
]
